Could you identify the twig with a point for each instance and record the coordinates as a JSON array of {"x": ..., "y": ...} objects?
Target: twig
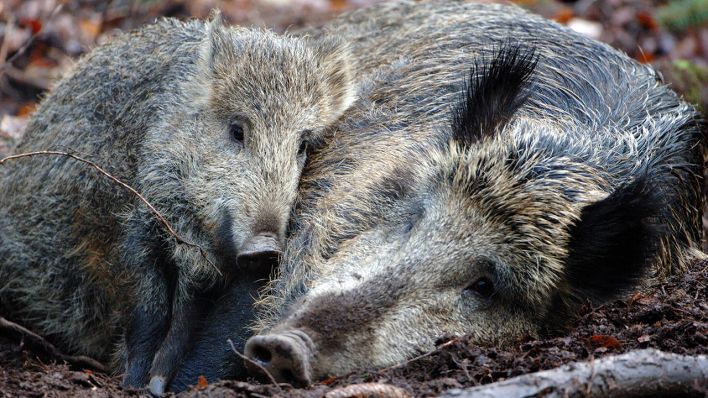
[
  {"x": 20, "y": 77},
  {"x": 647, "y": 372},
  {"x": 39, "y": 341},
  {"x": 265, "y": 371},
  {"x": 157, "y": 214},
  {"x": 379, "y": 390},
  {"x": 25, "y": 46},
  {"x": 115, "y": 179},
  {"x": 6, "y": 38},
  {"x": 429, "y": 353}
]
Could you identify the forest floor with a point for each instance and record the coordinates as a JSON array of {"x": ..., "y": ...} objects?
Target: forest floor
[
  {"x": 671, "y": 315},
  {"x": 41, "y": 38}
]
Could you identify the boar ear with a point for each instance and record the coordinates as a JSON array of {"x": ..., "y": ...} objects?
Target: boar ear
[
  {"x": 496, "y": 89},
  {"x": 218, "y": 46},
  {"x": 338, "y": 76},
  {"x": 615, "y": 241}
]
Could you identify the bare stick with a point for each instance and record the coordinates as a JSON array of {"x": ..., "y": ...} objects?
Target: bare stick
[
  {"x": 6, "y": 38},
  {"x": 38, "y": 341},
  {"x": 427, "y": 354},
  {"x": 264, "y": 370},
  {"x": 636, "y": 373},
  {"x": 25, "y": 46},
  {"x": 379, "y": 390},
  {"x": 115, "y": 179}
]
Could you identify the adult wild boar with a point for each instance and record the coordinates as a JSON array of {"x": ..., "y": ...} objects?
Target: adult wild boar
[
  {"x": 499, "y": 171},
  {"x": 210, "y": 123}
]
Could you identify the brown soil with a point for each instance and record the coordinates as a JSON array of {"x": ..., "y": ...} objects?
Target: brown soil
[{"x": 671, "y": 315}]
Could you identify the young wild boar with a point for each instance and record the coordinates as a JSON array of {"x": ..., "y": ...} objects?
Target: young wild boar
[
  {"x": 561, "y": 171},
  {"x": 211, "y": 124}
]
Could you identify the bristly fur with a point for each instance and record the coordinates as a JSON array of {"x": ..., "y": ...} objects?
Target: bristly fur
[
  {"x": 566, "y": 196},
  {"x": 159, "y": 105},
  {"x": 493, "y": 93}
]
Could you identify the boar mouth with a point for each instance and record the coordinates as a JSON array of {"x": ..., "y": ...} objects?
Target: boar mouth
[
  {"x": 259, "y": 254},
  {"x": 285, "y": 356}
]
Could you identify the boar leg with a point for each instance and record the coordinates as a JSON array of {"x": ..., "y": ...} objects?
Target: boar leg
[
  {"x": 211, "y": 356},
  {"x": 185, "y": 312},
  {"x": 148, "y": 325}
]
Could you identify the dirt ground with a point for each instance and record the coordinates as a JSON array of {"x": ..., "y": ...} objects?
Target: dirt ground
[
  {"x": 40, "y": 40},
  {"x": 671, "y": 315}
]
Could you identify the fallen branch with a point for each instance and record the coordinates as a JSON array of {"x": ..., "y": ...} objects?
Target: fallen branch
[
  {"x": 39, "y": 342},
  {"x": 647, "y": 372},
  {"x": 4, "y": 62},
  {"x": 21, "y": 77},
  {"x": 115, "y": 179},
  {"x": 375, "y": 390},
  {"x": 421, "y": 356}
]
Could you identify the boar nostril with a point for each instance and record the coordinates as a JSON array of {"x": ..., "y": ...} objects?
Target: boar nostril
[
  {"x": 285, "y": 356},
  {"x": 262, "y": 355}
]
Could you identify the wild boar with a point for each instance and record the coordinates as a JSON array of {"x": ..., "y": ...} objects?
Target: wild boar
[
  {"x": 497, "y": 171},
  {"x": 211, "y": 124}
]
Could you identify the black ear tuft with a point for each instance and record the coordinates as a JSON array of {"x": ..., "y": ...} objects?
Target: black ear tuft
[
  {"x": 615, "y": 241},
  {"x": 494, "y": 91}
]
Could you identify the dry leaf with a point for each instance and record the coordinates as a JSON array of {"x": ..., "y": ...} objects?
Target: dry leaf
[
  {"x": 202, "y": 382},
  {"x": 564, "y": 15},
  {"x": 601, "y": 340}
]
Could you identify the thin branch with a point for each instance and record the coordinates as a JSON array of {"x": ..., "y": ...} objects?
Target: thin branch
[
  {"x": 20, "y": 76},
  {"x": 25, "y": 46},
  {"x": 379, "y": 390},
  {"x": 166, "y": 224},
  {"x": 9, "y": 25},
  {"x": 647, "y": 372},
  {"x": 39, "y": 342},
  {"x": 427, "y": 354},
  {"x": 264, "y": 370}
]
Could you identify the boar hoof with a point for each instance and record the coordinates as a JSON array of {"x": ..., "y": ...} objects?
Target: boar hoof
[
  {"x": 157, "y": 386},
  {"x": 285, "y": 356}
]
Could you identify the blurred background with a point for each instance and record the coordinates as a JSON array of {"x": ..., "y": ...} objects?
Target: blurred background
[{"x": 40, "y": 39}]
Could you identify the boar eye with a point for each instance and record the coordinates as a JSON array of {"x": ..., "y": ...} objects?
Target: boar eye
[
  {"x": 482, "y": 287},
  {"x": 236, "y": 132}
]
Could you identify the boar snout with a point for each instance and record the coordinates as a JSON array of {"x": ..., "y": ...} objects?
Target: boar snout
[
  {"x": 286, "y": 356},
  {"x": 260, "y": 251}
]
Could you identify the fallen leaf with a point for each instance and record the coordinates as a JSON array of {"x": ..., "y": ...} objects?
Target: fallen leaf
[
  {"x": 601, "y": 340},
  {"x": 202, "y": 382},
  {"x": 635, "y": 297},
  {"x": 647, "y": 20},
  {"x": 338, "y": 5},
  {"x": 329, "y": 380},
  {"x": 34, "y": 24},
  {"x": 644, "y": 57},
  {"x": 90, "y": 28},
  {"x": 588, "y": 28},
  {"x": 564, "y": 15},
  {"x": 12, "y": 127},
  {"x": 26, "y": 109}
]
